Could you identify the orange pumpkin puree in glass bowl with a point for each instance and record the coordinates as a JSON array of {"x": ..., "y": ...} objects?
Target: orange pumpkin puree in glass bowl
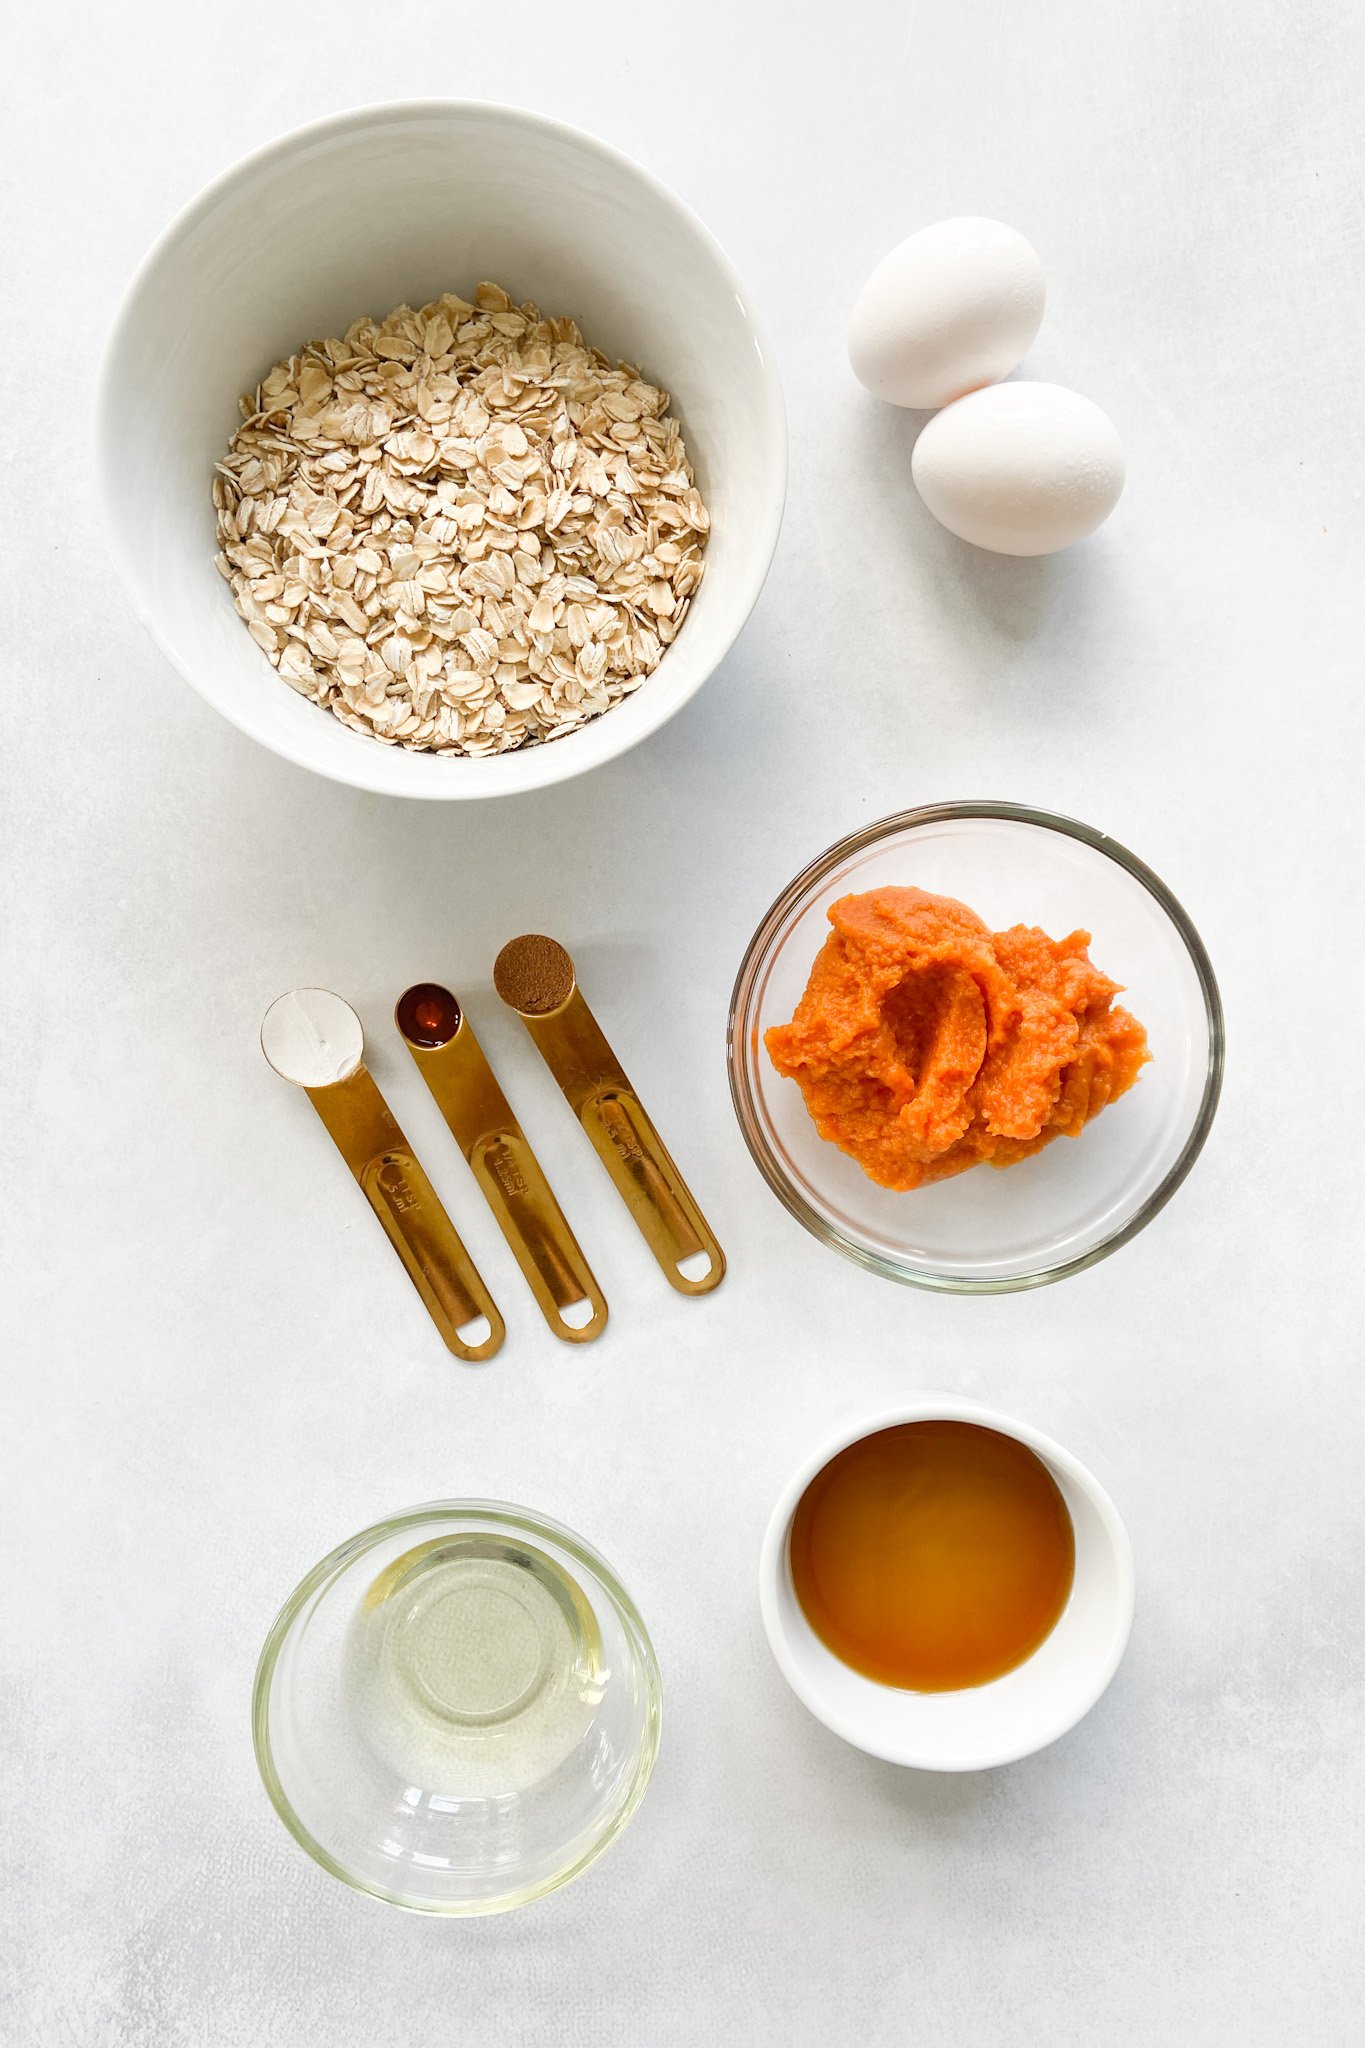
[{"x": 925, "y": 1043}]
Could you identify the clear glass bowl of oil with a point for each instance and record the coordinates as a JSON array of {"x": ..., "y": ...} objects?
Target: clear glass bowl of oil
[{"x": 459, "y": 1709}]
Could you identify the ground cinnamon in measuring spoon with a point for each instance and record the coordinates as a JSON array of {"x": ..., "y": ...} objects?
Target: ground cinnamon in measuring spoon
[{"x": 534, "y": 974}]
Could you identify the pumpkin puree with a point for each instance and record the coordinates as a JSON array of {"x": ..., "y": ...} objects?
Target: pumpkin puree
[{"x": 926, "y": 1043}]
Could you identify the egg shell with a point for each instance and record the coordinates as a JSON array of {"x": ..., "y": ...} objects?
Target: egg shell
[
  {"x": 1023, "y": 469},
  {"x": 953, "y": 308}
]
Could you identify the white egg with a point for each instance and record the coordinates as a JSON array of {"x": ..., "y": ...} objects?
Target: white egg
[
  {"x": 954, "y": 307},
  {"x": 1024, "y": 469}
]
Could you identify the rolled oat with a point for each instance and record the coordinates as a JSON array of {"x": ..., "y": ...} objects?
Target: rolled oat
[{"x": 460, "y": 528}]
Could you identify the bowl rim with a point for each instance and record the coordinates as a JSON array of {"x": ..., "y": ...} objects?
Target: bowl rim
[
  {"x": 762, "y": 536},
  {"x": 738, "y": 1025},
  {"x": 935, "y": 1407},
  {"x": 526, "y": 1522}
]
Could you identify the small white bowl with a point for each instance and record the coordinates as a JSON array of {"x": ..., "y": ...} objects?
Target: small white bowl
[
  {"x": 356, "y": 215},
  {"x": 982, "y": 1725}
]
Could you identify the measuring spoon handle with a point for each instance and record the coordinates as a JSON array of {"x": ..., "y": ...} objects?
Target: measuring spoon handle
[
  {"x": 433, "y": 1254},
  {"x": 653, "y": 1189},
  {"x": 538, "y": 1231}
]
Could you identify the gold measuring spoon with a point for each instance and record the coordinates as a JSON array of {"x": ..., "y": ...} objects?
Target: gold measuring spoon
[
  {"x": 535, "y": 977},
  {"x": 314, "y": 1039},
  {"x": 451, "y": 1062}
]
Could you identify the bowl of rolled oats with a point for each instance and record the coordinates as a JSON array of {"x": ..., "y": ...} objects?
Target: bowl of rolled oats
[{"x": 441, "y": 450}]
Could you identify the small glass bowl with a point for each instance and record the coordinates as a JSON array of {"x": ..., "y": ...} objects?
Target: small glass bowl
[
  {"x": 458, "y": 1710},
  {"x": 986, "y": 1231}
]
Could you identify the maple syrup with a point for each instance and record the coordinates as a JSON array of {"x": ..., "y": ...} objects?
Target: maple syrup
[{"x": 933, "y": 1556}]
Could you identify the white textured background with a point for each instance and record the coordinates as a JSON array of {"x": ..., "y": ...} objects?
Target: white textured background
[{"x": 215, "y": 1370}]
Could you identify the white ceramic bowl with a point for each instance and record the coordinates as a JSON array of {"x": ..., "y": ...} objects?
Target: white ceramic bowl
[
  {"x": 981, "y": 1725},
  {"x": 353, "y": 216}
]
